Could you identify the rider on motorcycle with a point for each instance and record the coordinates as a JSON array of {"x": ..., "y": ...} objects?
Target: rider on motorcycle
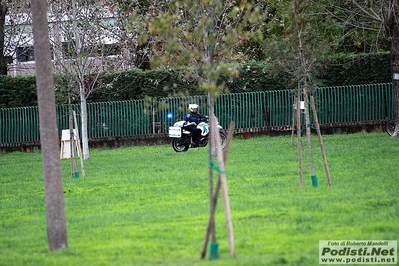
[{"x": 192, "y": 120}]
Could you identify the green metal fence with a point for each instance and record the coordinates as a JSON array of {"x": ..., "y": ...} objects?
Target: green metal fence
[
  {"x": 252, "y": 110},
  {"x": 19, "y": 125},
  {"x": 352, "y": 104}
]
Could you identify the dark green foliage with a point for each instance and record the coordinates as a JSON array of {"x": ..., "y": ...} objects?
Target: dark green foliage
[
  {"x": 138, "y": 84},
  {"x": 358, "y": 69},
  {"x": 17, "y": 92},
  {"x": 122, "y": 86},
  {"x": 253, "y": 76}
]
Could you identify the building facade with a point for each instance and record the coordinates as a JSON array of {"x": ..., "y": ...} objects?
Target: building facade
[{"x": 89, "y": 36}]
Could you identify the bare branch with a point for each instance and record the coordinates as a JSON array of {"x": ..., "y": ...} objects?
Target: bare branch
[{"x": 370, "y": 14}]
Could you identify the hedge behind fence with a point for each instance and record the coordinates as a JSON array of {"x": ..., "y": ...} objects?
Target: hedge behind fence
[
  {"x": 18, "y": 91},
  {"x": 138, "y": 84}
]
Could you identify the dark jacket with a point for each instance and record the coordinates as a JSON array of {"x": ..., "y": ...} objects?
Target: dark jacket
[{"x": 195, "y": 117}]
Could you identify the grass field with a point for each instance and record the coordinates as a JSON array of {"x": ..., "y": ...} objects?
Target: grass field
[{"x": 148, "y": 205}]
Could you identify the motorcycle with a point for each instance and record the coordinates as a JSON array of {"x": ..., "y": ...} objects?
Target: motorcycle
[{"x": 181, "y": 138}]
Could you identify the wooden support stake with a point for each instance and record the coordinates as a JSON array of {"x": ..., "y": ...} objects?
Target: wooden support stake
[
  {"x": 72, "y": 154},
  {"x": 294, "y": 107},
  {"x": 78, "y": 145},
  {"x": 323, "y": 153},
  {"x": 222, "y": 176},
  {"x": 309, "y": 137},
  {"x": 228, "y": 142},
  {"x": 214, "y": 199}
]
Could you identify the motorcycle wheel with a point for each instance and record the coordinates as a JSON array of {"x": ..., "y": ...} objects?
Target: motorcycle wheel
[
  {"x": 223, "y": 139},
  {"x": 390, "y": 127},
  {"x": 203, "y": 142},
  {"x": 179, "y": 145}
]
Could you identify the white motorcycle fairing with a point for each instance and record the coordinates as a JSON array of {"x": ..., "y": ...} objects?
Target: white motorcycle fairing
[{"x": 177, "y": 129}]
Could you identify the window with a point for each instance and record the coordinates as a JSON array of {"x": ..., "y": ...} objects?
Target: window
[
  {"x": 25, "y": 54},
  {"x": 8, "y": 59},
  {"x": 100, "y": 50}
]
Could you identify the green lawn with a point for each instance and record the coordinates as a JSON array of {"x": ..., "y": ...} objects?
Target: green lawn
[{"x": 148, "y": 205}]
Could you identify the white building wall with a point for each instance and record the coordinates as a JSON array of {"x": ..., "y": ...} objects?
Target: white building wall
[{"x": 20, "y": 35}]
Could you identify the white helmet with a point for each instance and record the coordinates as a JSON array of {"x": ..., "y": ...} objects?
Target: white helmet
[{"x": 192, "y": 106}]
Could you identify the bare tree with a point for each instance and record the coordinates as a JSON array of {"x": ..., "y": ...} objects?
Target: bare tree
[
  {"x": 89, "y": 39},
  {"x": 298, "y": 48},
  {"x": 135, "y": 54},
  {"x": 380, "y": 16},
  {"x": 85, "y": 49},
  {"x": 205, "y": 36},
  {"x": 55, "y": 210}
]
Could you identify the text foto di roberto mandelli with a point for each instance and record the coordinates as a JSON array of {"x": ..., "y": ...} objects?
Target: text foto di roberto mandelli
[{"x": 359, "y": 243}]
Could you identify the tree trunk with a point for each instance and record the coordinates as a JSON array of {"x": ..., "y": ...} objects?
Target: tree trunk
[
  {"x": 3, "y": 63},
  {"x": 85, "y": 137},
  {"x": 393, "y": 32},
  {"x": 54, "y": 196},
  {"x": 299, "y": 141},
  {"x": 323, "y": 152}
]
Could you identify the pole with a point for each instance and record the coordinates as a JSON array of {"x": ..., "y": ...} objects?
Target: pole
[
  {"x": 293, "y": 122},
  {"x": 214, "y": 199},
  {"x": 309, "y": 137},
  {"x": 72, "y": 155},
  {"x": 299, "y": 142},
  {"x": 82, "y": 167},
  {"x": 323, "y": 152},
  {"x": 223, "y": 182}
]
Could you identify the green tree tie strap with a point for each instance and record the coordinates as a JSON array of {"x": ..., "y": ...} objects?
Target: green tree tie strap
[
  {"x": 314, "y": 181},
  {"x": 312, "y": 127},
  {"x": 315, "y": 128},
  {"x": 212, "y": 165}
]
